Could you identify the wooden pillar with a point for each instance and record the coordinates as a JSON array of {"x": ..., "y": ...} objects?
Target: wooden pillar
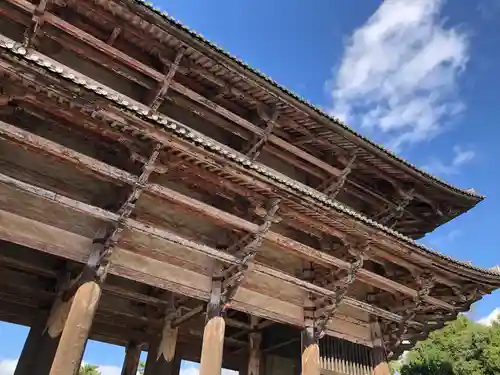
[
  {"x": 310, "y": 352},
  {"x": 76, "y": 329},
  {"x": 132, "y": 358},
  {"x": 213, "y": 335},
  {"x": 310, "y": 346},
  {"x": 379, "y": 358},
  {"x": 38, "y": 351},
  {"x": 254, "y": 358},
  {"x": 161, "y": 354}
]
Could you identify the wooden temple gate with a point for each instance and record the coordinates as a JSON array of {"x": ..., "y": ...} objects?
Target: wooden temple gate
[{"x": 157, "y": 194}]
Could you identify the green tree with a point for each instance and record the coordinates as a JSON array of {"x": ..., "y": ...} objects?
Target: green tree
[
  {"x": 89, "y": 370},
  {"x": 463, "y": 347},
  {"x": 142, "y": 366}
]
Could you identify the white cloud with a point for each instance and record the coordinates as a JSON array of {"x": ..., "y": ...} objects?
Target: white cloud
[
  {"x": 7, "y": 366},
  {"x": 110, "y": 370},
  {"x": 492, "y": 317},
  {"x": 398, "y": 74},
  {"x": 461, "y": 157}
]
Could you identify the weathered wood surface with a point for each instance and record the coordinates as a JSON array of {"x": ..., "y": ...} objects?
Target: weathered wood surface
[
  {"x": 132, "y": 358},
  {"x": 172, "y": 238},
  {"x": 212, "y": 349},
  {"x": 160, "y": 33},
  {"x": 284, "y": 243},
  {"x": 385, "y": 242},
  {"x": 76, "y": 329}
]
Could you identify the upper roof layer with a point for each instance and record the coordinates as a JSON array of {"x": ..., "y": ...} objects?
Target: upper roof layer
[{"x": 330, "y": 121}]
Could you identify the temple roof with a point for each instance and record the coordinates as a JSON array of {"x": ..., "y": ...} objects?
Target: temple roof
[
  {"x": 331, "y": 120},
  {"x": 180, "y": 130}
]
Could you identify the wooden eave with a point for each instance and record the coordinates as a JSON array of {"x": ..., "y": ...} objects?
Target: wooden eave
[
  {"x": 225, "y": 64},
  {"x": 460, "y": 268},
  {"x": 46, "y": 88},
  {"x": 205, "y": 62}
]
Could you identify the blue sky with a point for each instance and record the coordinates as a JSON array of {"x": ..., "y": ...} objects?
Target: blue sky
[{"x": 418, "y": 76}]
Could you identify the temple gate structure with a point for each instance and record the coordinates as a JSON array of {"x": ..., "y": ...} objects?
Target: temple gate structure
[{"x": 159, "y": 194}]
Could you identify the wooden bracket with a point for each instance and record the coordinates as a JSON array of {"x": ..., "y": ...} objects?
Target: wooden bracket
[
  {"x": 160, "y": 94},
  {"x": 107, "y": 237},
  {"x": 247, "y": 250},
  {"x": 258, "y": 144},
  {"x": 425, "y": 281},
  {"x": 37, "y": 21},
  {"x": 334, "y": 186},
  {"x": 114, "y": 34},
  {"x": 396, "y": 211},
  {"x": 340, "y": 288}
]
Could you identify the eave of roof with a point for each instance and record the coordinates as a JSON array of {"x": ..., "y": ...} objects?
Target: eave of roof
[
  {"x": 203, "y": 141},
  {"x": 330, "y": 120}
]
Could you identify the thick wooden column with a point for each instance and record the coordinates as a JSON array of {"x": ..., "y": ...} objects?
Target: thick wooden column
[
  {"x": 38, "y": 351},
  {"x": 379, "y": 358},
  {"x": 310, "y": 347},
  {"x": 213, "y": 335},
  {"x": 161, "y": 354},
  {"x": 254, "y": 358},
  {"x": 76, "y": 329},
  {"x": 310, "y": 352},
  {"x": 132, "y": 358}
]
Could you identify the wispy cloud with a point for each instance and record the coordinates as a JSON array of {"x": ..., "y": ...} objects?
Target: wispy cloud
[
  {"x": 7, "y": 366},
  {"x": 398, "y": 75},
  {"x": 492, "y": 317},
  {"x": 461, "y": 157}
]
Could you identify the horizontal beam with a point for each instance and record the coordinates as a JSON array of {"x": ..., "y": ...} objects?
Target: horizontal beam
[
  {"x": 136, "y": 65},
  {"x": 104, "y": 170},
  {"x": 150, "y": 131},
  {"x": 117, "y": 55},
  {"x": 173, "y": 238}
]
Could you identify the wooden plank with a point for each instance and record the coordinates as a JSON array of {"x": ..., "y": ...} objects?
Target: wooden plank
[{"x": 160, "y": 274}]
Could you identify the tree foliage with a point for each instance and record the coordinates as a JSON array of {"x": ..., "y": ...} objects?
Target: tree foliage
[
  {"x": 463, "y": 347},
  {"x": 89, "y": 370}
]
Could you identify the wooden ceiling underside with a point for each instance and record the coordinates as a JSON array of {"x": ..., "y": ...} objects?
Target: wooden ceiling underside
[
  {"x": 114, "y": 53},
  {"x": 68, "y": 157}
]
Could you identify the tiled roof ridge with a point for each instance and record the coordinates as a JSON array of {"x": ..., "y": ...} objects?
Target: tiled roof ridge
[
  {"x": 204, "y": 141},
  {"x": 467, "y": 192}
]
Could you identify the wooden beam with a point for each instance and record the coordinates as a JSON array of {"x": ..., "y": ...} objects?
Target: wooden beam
[
  {"x": 168, "y": 236},
  {"x": 109, "y": 172},
  {"x": 152, "y": 73},
  {"x": 158, "y": 32}
]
